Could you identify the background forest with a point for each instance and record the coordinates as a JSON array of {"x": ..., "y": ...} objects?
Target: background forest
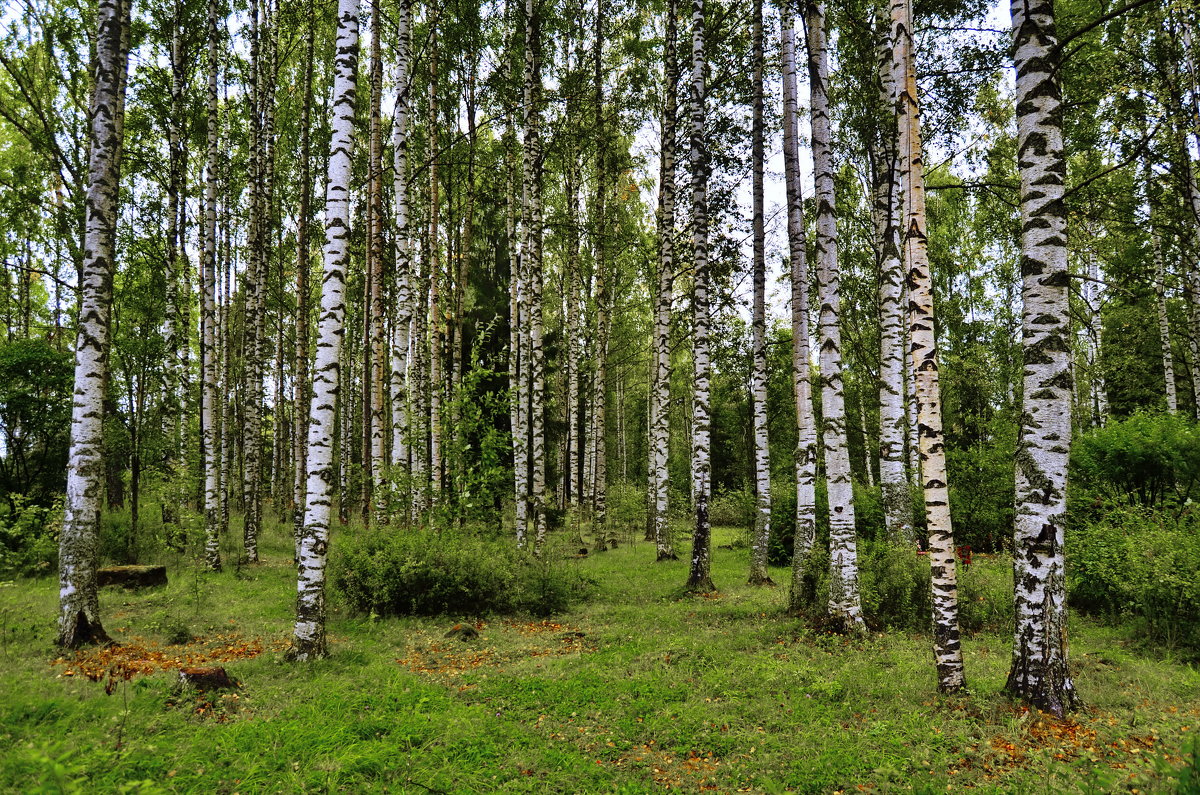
[{"x": 463, "y": 295}]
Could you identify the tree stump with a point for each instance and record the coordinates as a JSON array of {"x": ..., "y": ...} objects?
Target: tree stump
[
  {"x": 463, "y": 632},
  {"x": 132, "y": 576},
  {"x": 212, "y": 678}
]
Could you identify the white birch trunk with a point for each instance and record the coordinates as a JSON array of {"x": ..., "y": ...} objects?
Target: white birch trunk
[
  {"x": 78, "y": 601},
  {"x": 947, "y": 650},
  {"x": 762, "y": 460},
  {"x": 699, "y": 578},
  {"x": 1039, "y": 671},
  {"x": 1160, "y": 300},
  {"x": 308, "y": 640},
  {"x": 403, "y": 268},
  {"x": 806, "y": 431},
  {"x": 844, "y": 603},
  {"x": 210, "y": 352}
]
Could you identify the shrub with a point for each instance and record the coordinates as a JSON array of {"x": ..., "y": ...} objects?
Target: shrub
[
  {"x": 421, "y": 572},
  {"x": 1150, "y": 459},
  {"x": 29, "y": 537},
  {"x": 1138, "y": 564},
  {"x": 732, "y": 508}
]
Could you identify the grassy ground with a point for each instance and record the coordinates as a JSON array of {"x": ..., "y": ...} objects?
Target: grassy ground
[{"x": 639, "y": 690}]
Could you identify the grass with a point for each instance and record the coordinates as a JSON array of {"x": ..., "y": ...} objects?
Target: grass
[{"x": 639, "y": 690}]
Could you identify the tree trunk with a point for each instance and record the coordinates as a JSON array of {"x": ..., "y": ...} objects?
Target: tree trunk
[
  {"x": 888, "y": 207},
  {"x": 308, "y": 641},
  {"x": 600, "y": 245},
  {"x": 947, "y": 651},
  {"x": 1160, "y": 298},
  {"x": 210, "y": 351},
  {"x": 403, "y": 269},
  {"x": 1039, "y": 671},
  {"x": 302, "y": 385},
  {"x": 699, "y": 578},
  {"x": 78, "y": 605},
  {"x": 378, "y": 332},
  {"x": 660, "y": 403},
  {"x": 806, "y": 432},
  {"x": 762, "y": 459},
  {"x": 844, "y": 604}
]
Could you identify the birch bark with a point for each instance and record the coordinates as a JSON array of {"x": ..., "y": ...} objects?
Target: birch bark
[
  {"x": 210, "y": 351},
  {"x": 308, "y": 640},
  {"x": 1039, "y": 671},
  {"x": 78, "y": 601}
]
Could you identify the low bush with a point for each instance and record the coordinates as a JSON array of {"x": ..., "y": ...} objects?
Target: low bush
[
  {"x": 1148, "y": 459},
  {"x": 421, "y": 572},
  {"x": 1142, "y": 565},
  {"x": 732, "y": 508},
  {"x": 29, "y": 537}
]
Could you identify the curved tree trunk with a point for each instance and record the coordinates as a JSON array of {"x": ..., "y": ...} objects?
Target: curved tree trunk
[
  {"x": 947, "y": 651},
  {"x": 844, "y": 603},
  {"x": 308, "y": 639},
  {"x": 699, "y": 578},
  {"x": 1039, "y": 670},
  {"x": 762, "y": 459},
  {"x": 78, "y": 601}
]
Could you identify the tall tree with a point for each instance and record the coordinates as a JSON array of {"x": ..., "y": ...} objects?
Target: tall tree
[
  {"x": 78, "y": 601},
  {"x": 403, "y": 268},
  {"x": 210, "y": 351},
  {"x": 947, "y": 649},
  {"x": 845, "y": 605},
  {"x": 806, "y": 430},
  {"x": 1039, "y": 671},
  {"x": 660, "y": 397},
  {"x": 308, "y": 639},
  {"x": 302, "y": 386},
  {"x": 762, "y": 452},
  {"x": 699, "y": 578}
]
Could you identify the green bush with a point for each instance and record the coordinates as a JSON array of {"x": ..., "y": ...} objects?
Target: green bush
[
  {"x": 1150, "y": 459},
  {"x": 421, "y": 572},
  {"x": 29, "y": 537},
  {"x": 732, "y": 508},
  {"x": 1141, "y": 565}
]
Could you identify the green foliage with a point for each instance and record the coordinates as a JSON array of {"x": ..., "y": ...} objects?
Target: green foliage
[
  {"x": 732, "y": 507},
  {"x": 423, "y": 573},
  {"x": 29, "y": 537},
  {"x": 1149, "y": 459},
  {"x": 1142, "y": 566},
  {"x": 35, "y": 414}
]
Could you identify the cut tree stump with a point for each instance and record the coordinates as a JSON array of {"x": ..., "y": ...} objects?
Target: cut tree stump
[
  {"x": 213, "y": 678},
  {"x": 463, "y": 632},
  {"x": 132, "y": 576}
]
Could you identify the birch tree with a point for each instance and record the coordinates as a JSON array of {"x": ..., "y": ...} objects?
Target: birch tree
[
  {"x": 699, "y": 578},
  {"x": 210, "y": 351},
  {"x": 762, "y": 453},
  {"x": 1039, "y": 671},
  {"x": 302, "y": 386},
  {"x": 947, "y": 651},
  {"x": 78, "y": 602},
  {"x": 403, "y": 268},
  {"x": 806, "y": 431},
  {"x": 845, "y": 606},
  {"x": 308, "y": 639}
]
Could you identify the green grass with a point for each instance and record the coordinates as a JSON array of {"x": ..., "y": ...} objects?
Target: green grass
[{"x": 661, "y": 689}]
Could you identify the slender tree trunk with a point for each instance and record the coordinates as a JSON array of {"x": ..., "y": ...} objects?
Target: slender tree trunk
[
  {"x": 210, "y": 352},
  {"x": 806, "y": 432},
  {"x": 660, "y": 404},
  {"x": 1039, "y": 671},
  {"x": 434, "y": 385},
  {"x": 308, "y": 641},
  {"x": 1160, "y": 299},
  {"x": 403, "y": 268},
  {"x": 888, "y": 207},
  {"x": 378, "y": 330},
  {"x": 947, "y": 651},
  {"x": 517, "y": 360},
  {"x": 1094, "y": 301},
  {"x": 600, "y": 377},
  {"x": 699, "y": 578},
  {"x": 302, "y": 386},
  {"x": 78, "y": 602},
  {"x": 844, "y": 604},
  {"x": 762, "y": 459}
]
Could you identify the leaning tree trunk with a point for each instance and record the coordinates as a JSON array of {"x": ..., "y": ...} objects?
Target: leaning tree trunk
[
  {"x": 660, "y": 426},
  {"x": 888, "y": 200},
  {"x": 845, "y": 605},
  {"x": 699, "y": 578},
  {"x": 762, "y": 457},
  {"x": 947, "y": 651},
  {"x": 1039, "y": 671},
  {"x": 78, "y": 601},
  {"x": 210, "y": 351},
  {"x": 308, "y": 640},
  {"x": 806, "y": 431}
]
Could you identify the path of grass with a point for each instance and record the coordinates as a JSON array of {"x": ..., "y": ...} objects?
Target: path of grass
[{"x": 640, "y": 690}]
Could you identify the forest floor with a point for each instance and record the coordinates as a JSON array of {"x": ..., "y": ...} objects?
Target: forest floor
[{"x": 639, "y": 690}]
